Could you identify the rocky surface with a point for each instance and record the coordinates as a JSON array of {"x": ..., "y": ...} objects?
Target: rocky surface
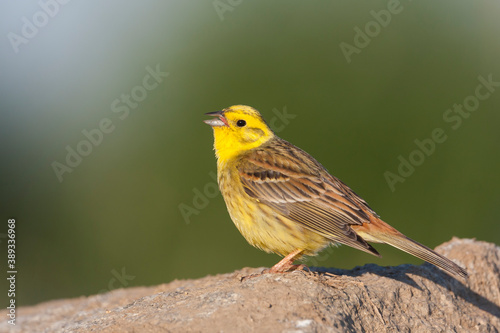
[{"x": 366, "y": 299}]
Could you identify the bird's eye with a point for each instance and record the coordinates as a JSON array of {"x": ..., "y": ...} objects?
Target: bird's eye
[{"x": 241, "y": 123}]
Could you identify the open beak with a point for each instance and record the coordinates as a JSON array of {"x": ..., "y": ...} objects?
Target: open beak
[{"x": 216, "y": 122}]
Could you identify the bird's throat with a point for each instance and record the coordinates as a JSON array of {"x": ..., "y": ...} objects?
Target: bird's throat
[{"x": 229, "y": 147}]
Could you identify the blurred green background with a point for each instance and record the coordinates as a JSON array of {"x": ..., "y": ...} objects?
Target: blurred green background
[{"x": 118, "y": 211}]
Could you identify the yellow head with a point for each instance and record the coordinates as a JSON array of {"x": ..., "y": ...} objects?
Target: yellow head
[{"x": 238, "y": 129}]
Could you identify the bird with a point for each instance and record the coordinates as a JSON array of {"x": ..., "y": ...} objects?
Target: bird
[{"x": 283, "y": 201}]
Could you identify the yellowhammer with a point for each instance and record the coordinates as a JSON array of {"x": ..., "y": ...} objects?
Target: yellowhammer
[{"x": 283, "y": 201}]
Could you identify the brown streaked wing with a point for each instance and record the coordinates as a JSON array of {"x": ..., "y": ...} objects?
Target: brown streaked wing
[{"x": 292, "y": 182}]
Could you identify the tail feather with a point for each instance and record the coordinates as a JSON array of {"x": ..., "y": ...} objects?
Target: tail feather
[
  {"x": 418, "y": 250},
  {"x": 380, "y": 232}
]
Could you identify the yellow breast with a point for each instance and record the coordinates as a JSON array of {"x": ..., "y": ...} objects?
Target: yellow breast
[{"x": 261, "y": 226}]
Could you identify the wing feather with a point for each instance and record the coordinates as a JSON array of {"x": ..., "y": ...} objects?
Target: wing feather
[{"x": 292, "y": 182}]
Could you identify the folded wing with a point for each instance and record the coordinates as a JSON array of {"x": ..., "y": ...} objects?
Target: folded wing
[{"x": 293, "y": 183}]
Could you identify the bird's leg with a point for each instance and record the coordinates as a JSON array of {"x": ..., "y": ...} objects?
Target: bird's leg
[{"x": 286, "y": 264}]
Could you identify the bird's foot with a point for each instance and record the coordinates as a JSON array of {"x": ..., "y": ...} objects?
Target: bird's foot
[{"x": 289, "y": 267}]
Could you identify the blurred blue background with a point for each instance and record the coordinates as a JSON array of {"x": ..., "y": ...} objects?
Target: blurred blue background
[{"x": 112, "y": 217}]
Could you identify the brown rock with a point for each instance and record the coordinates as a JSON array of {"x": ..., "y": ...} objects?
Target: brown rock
[{"x": 366, "y": 299}]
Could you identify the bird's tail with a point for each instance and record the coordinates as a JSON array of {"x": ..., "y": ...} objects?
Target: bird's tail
[
  {"x": 391, "y": 236},
  {"x": 423, "y": 252}
]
